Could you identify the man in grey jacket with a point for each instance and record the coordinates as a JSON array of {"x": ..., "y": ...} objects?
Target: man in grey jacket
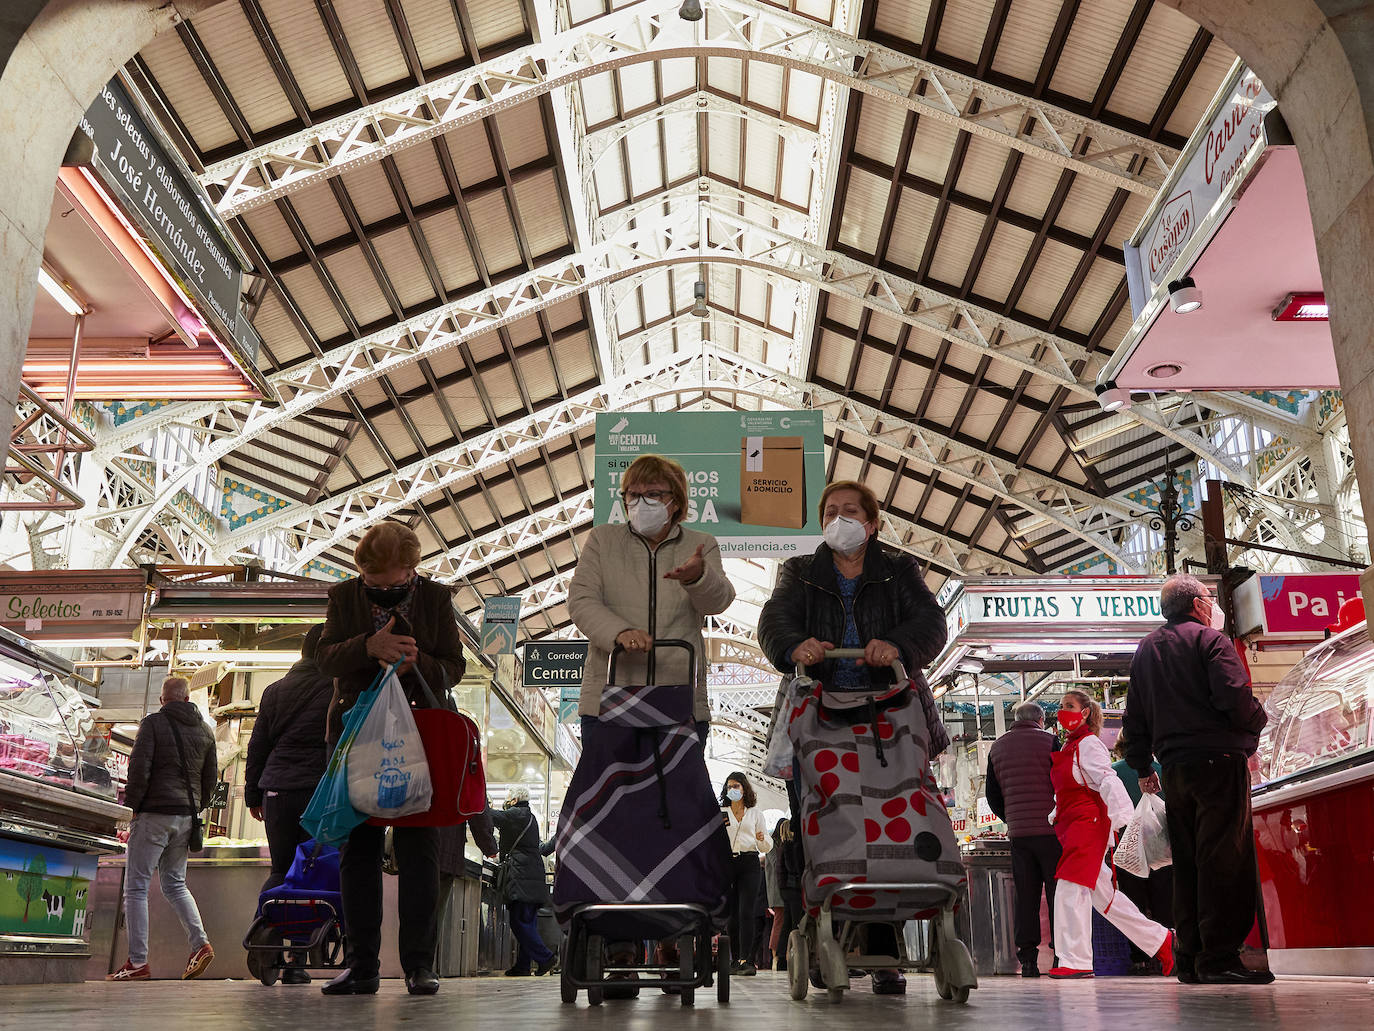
[{"x": 171, "y": 774}]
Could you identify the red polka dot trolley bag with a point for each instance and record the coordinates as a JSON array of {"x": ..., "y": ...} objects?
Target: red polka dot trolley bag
[{"x": 877, "y": 839}]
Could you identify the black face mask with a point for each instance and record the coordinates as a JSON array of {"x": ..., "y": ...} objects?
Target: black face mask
[{"x": 387, "y": 597}]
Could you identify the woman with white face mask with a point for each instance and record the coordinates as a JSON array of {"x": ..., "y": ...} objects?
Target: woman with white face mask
[
  {"x": 854, "y": 593},
  {"x": 749, "y": 841},
  {"x": 643, "y": 578}
]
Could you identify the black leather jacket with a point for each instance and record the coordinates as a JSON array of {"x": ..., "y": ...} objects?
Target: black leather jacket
[{"x": 893, "y": 604}]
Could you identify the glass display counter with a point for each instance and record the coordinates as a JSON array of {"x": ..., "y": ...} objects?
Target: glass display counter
[
  {"x": 1314, "y": 811},
  {"x": 58, "y": 814}
]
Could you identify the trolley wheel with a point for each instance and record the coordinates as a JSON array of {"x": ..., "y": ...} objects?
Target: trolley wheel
[
  {"x": 722, "y": 968},
  {"x": 566, "y": 988},
  {"x": 960, "y": 994},
  {"x": 265, "y": 966},
  {"x": 798, "y": 964},
  {"x": 836, "y": 994},
  {"x": 592, "y": 963},
  {"x": 687, "y": 966},
  {"x": 937, "y": 966}
]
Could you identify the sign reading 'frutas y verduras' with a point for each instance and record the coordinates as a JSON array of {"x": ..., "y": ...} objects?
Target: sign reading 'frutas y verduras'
[{"x": 753, "y": 478}]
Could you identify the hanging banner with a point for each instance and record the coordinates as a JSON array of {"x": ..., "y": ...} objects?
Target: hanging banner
[
  {"x": 554, "y": 663},
  {"x": 753, "y": 478},
  {"x": 568, "y": 700},
  {"x": 500, "y": 622}
]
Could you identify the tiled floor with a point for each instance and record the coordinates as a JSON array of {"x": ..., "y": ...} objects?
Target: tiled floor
[{"x": 759, "y": 1004}]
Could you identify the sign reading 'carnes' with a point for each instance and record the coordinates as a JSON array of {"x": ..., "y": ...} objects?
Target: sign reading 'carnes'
[{"x": 1236, "y": 127}]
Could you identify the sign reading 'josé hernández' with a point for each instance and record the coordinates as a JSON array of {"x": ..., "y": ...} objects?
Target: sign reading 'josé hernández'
[{"x": 151, "y": 185}]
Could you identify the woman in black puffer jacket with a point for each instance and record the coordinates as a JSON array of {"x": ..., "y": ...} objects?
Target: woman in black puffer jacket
[
  {"x": 854, "y": 593},
  {"x": 527, "y": 889}
]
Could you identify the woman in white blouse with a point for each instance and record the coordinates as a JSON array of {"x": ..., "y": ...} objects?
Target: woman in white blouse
[{"x": 749, "y": 840}]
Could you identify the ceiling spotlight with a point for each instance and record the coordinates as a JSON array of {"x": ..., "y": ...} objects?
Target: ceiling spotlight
[
  {"x": 1184, "y": 296},
  {"x": 691, "y": 10},
  {"x": 699, "y": 308},
  {"x": 1111, "y": 397}
]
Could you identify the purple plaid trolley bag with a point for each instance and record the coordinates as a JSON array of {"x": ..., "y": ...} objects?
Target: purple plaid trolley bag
[{"x": 642, "y": 850}]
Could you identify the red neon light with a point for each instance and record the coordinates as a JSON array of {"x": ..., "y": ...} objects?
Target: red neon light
[{"x": 1302, "y": 308}]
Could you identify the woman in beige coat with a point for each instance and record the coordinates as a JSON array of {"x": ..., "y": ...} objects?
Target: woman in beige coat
[{"x": 645, "y": 580}]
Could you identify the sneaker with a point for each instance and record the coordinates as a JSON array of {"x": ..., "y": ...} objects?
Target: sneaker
[
  {"x": 1066, "y": 972},
  {"x": 748, "y": 970},
  {"x": 129, "y": 972},
  {"x": 1165, "y": 955},
  {"x": 1030, "y": 968},
  {"x": 543, "y": 968},
  {"x": 294, "y": 975},
  {"x": 199, "y": 960}
]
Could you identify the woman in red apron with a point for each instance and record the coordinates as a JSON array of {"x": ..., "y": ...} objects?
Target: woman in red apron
[{"x": 1090, "y": 802}]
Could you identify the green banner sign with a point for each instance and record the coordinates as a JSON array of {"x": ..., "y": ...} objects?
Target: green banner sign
[
  {"x": 500, "y": 624},
  {"x": 753, "y": 478}
]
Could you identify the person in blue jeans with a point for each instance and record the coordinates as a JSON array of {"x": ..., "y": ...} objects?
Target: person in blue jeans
[
  {"x": 518, "y": 831},
  {"x": 172, "y": 772}
]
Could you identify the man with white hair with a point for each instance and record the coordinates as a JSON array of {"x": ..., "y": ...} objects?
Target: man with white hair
[
  {"x": 171, "y": 774},
  {"x": 1020, "y": 793},
  {"x": 1190, "y": 704}
]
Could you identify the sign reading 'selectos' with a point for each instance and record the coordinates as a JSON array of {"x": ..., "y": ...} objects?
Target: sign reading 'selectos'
[
  {"x": 753, "y": 478},
  {"x": 153, "y": 188}
]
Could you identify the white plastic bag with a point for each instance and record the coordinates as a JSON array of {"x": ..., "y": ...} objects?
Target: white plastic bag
[
  {"x": 1155, "y": 834},
  {"x": 778, "y": 761},
  {"x": 1144, "y": 844},
  {"x": 388, "y": 774}
]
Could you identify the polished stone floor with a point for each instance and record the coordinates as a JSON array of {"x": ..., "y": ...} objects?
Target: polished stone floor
[{"x": 761, "y": 1003}]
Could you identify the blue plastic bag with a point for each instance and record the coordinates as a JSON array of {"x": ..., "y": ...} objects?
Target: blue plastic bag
[{"x": 330, "y": 816}]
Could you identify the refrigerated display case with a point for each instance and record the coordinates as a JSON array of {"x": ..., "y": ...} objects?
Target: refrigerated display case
[
  {"x": 58, "y": 814},
  {"x": 1314, "y": 811}
]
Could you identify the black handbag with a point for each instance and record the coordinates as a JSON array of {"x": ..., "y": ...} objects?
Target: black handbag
[{"x": 196, "y": 842}]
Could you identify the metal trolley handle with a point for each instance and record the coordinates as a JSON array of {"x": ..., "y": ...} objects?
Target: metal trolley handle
[
  {"x": 667, "y": 642},
  {"x": 856, "y": 653}
]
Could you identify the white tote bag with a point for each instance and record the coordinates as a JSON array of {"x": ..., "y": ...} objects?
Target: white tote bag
[{"x": 388, "y": 774}]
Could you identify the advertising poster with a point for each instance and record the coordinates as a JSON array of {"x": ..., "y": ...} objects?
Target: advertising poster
[
  {"x": 44, "y": 890},
  {"x": 500, "y": 623},
  {"x": 753, "y": 478}
]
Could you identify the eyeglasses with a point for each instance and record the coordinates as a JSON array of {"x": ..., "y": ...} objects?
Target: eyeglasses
[{"x": 656, "y": 496}]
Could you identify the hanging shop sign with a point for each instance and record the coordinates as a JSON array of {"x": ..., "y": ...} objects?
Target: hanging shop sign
[
  {"x": 1235, "y": 127},
  {"x": 500, "y": 623},
  {"x": 46, "y": 606},
  {"x": 152, "y": 187},
  {"x": 753, "y": 478},
  {"x": 554, "y": 664},
  {"x": 569, "y": 698},
  {"x": 1293, "y": 606},
  {"x": 1087, "y": 607}
]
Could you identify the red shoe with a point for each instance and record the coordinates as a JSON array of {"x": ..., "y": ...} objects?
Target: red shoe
[
  {"x": 1165, "y": 955},
  {"x": 129, "y": 972},
  {"x": 199, "y": 960},
  {"x": 1064, "y": 972}
]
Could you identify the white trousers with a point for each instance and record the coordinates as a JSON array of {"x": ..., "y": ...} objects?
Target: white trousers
[{"x": 1073, "y": 920}]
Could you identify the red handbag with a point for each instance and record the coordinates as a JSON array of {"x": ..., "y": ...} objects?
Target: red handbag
[{"x": 453, "y": 749}]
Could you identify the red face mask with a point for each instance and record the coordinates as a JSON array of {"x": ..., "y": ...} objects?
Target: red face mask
[{"x": 1069, "y": 719}]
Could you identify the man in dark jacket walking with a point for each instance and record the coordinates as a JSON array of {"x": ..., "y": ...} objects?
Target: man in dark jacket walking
[
  {"x": 1190, "y": 704},
  {"x": 171, "y": 773},
  {"x": 1021, "y": 795},
  {"x": 287, "y": 755}
]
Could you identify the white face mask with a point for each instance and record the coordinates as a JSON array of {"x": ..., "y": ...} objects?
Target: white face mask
[
  {"x": 1218, "y": 619},
  {"x": 734, "y": 794},
  {"x": 648, "y": 517},
  {"x": 845, "y": 535}
]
